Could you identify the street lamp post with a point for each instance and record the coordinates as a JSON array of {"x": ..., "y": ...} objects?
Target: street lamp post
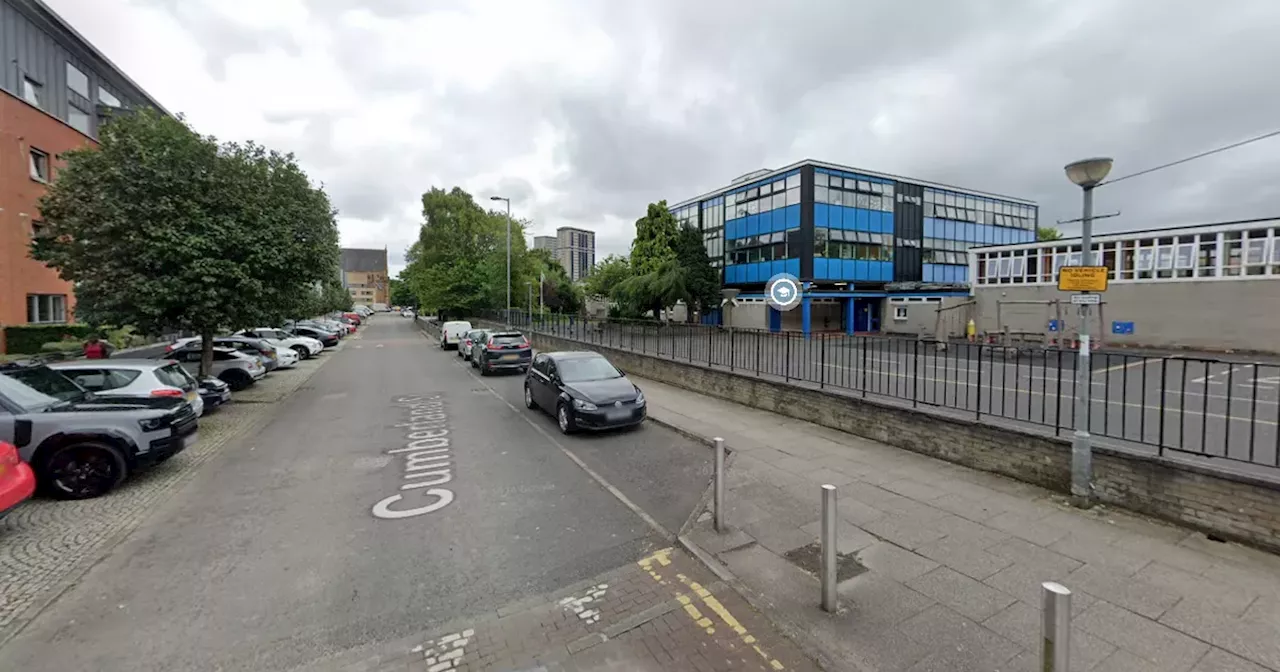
[
  {"x": 508, "y": 202},
  {"x": 1086, "y": 174}
]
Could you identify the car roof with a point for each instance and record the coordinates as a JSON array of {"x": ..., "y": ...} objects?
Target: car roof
[
  {"x": 574, "y": 354},
  {"x": 111, "y": 364}
]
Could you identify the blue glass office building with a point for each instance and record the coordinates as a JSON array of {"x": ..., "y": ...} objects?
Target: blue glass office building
[{"x": 852, "y": 236}]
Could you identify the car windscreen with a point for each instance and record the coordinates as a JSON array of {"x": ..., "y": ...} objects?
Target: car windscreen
[
  {"x": 174, "y": 375},
  {"x": 507, "y": 339},
  {"x": 583, "y": 369},
  {"x": 48, "y": 383}
]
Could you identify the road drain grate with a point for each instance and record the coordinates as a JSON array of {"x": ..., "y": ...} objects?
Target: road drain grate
[{"x": 809, "y": 558}]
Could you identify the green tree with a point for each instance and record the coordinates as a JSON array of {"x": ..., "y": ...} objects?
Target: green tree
[
  {"x": 401, "y": 293},
  {"x": 162, "y": 228},
  {"x": 607, "y": 275},
  {"x": 652, "y": 254},
  {"x": 701, "y": 282},
  {"x": 1048, "y": 233},
  {"x": 458, "y": 266}
]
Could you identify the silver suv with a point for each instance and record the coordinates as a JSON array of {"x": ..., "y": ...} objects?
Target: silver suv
[{"x": 82, "y": 446}]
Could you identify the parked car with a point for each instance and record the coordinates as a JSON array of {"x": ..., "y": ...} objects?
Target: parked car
[
  {"x": 17, "y": 480},
  {"x": 583, "y": 391},
  {"x": 469, "y": 341},
  {"x": 326, "y": 338},
  {"x": 81, "y": 445},
  {"x": 340, "y": 328},
  {"x": 451, "y": 334},
  {"x": 233, "y": 367},
  {"x": 214, "y": 392},
  {"x": 305, "y": 346},
  {"x": 502, "y": 351},
  {"x": 134, "y": 378},
  {"x": 354, "y": 317},
  {"x": 264, "y": 351},
  {"x": 406, "y": 313}
]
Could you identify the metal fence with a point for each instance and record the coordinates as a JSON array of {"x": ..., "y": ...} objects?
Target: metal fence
[{"x": 1206, "y": 407}]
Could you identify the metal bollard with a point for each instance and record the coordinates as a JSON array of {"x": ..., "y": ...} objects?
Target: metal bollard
[
  {"x": 830, "y": 601},
  {"x": 1055, "y": 635},
  {"x": 719, "y": 494}
]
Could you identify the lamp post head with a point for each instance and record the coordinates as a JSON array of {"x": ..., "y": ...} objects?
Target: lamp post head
[
  {"x": 1087, "y": 173},
  {"x": 497, "y": 198}
]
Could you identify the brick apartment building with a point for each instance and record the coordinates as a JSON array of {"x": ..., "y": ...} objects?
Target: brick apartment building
[
  {"x": 364, "y": 274},
  {"x": 55, "y": 90}
]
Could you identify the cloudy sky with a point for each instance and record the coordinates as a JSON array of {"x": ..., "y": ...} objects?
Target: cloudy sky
[{"x": 583, "y": 111}]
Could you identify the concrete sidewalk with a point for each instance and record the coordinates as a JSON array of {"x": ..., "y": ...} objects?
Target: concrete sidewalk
[{"x": 952, "y": 559}]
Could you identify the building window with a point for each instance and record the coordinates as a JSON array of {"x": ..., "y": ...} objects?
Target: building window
[
  {"x": 77, "y": 81},
  {"x": 899, "y": 312},
  {"x": 32, "y": 91},
  {"x": 46, "y": 308},
  {"x": 105, "y": 98},
  {"x": 39, "y": 166},
  {"x": 78, "y": 119}
]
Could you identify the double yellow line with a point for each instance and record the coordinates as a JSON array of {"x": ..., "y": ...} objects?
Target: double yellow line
[{"x": 662, "y": 558}]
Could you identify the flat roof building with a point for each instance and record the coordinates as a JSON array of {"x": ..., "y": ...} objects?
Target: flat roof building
[
  {"x": 1212, "y": 286},
  {"x": 576, "y": 251},
  {"x": 545, "y": 243},
  {"x": 852, "y": 236},
  {"x": 365, "y": 275}
]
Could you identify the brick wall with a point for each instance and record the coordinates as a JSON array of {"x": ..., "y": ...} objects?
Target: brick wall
[{"x": 1226, "y": 505}]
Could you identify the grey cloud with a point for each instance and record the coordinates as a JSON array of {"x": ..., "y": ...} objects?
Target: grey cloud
[
  {"x": 223, "y": 38},
  {"x": 986, "y": 95}
]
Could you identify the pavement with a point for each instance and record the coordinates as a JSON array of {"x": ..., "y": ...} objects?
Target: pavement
[
  {"x": 370, "y": 517},
  {"x": 1199, "y": 409},
  {"x": 942, "y": 565}
]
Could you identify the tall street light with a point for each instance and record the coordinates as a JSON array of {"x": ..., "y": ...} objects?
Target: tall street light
[
  {"x": 1087, "y": 174},
  {"x": 508, "y": 202}
]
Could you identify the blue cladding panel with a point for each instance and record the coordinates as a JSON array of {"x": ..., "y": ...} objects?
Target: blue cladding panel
[
  {"x": 780, "y": 219},
  {"x": 820, "y": 211},
  {"x": 820, "y": 268},
  {"x": 928, "y": 228},
  {"x": 886, "y": 271},
  {"x": 793, "y": 216},
  {"x": 793, "y": 267}
]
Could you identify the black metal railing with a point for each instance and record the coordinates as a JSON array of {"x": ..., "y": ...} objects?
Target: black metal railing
[{"x": 1206, "y": 407}]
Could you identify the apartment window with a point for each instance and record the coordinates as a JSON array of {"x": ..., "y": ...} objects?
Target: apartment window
[
  {"x": 899, "y": 312},
  {"x": 39, "y": 165},
  {"x": 78, "y": 119},
  {"x": 32, "y": 91},
  {"x": 46, "y": 308},
  {"x": 77, "y": 81},
  {"x": 105, "y": 98}
]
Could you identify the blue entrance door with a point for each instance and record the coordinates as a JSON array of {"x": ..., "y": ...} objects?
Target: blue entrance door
[{"x": 866, "y": 314}]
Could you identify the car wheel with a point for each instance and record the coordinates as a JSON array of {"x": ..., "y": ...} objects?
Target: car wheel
[
  {"x": 484, "y": 368},
  {"x": 82, "y": 470},
  {"x": 564, "y": 419},
  {"x": 236, "y": 379},
  {"x": 528, "y": 397},
  {"x": 303, "y": 352}
]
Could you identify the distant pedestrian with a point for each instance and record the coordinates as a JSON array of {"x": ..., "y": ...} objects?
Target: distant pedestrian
[{"x": 95, "y": 348}]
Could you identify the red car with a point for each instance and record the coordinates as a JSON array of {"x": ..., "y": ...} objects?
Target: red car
[
  {"x": 354, "y": 317},
  {"x": 17, "y": 481}
]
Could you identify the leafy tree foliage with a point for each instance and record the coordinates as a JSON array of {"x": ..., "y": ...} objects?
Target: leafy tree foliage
[
  {"x": 458, "y": 266},
  {"x": 162, "y": 228},
  {"x": 701, "y": 281},
  {"x": 1048, "y": 233},
  {"x": 401, "y": 293},
  {"x": 607, "y": 275}
]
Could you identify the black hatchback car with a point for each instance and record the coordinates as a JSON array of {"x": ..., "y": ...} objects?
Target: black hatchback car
[{"x": 583, "y": 391}]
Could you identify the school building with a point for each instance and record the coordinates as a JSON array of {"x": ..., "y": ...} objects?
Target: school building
[{"x": 859, "y": 241}]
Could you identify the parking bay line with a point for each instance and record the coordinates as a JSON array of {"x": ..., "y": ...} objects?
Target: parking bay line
[{"x": 600, "y": 480}]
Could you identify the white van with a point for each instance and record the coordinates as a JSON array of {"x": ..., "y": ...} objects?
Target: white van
[{"x": 451, "y": 334}]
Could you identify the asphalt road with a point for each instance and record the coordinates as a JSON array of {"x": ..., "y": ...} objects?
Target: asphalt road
[
  {"x": 1201, "y": 408},
  {"x": 272, "y": 558}
]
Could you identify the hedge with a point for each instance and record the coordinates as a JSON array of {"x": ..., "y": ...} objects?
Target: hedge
[{"x": 30, "y": 339}]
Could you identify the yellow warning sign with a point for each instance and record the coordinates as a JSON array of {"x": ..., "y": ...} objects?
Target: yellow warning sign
[{"x": 1082, "y": 279}]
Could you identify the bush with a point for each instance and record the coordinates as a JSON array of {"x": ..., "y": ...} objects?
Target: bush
[{"x": 29, "y": 339}]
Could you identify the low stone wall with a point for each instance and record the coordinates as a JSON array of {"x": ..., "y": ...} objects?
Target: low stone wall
[{"x": 1226, "y": 505}]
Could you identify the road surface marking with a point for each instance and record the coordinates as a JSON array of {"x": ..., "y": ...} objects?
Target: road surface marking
[{"x": 426, "y": 458}]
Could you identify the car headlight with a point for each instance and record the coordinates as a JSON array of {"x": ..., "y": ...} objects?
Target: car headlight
[
  {"x": 583, "y": 405},
  {"x": 153, "y": 424},
  {"x": 639, "y": 397}
]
